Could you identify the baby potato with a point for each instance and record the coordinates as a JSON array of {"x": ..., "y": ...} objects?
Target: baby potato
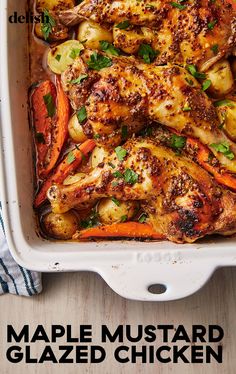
[
  {"x": 222, "y": 81},
  {"x": 55, "y": 5},
  {"x": 97, "y": 156},
  {"x": 91, "y": 33},
  {"x": 61, "y": 226},
  {"x": 71, "y": 179},
  {"x": 76, "y": 130},
  {"x": 111, "y": 210},
  {"x": 233, "y": 67},
  {"x": 63, "y": 55},
  {"x": 227, "y": 115}
]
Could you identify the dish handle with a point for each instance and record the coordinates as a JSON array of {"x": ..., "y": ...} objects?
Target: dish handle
[{"x": 148, "y": 281}]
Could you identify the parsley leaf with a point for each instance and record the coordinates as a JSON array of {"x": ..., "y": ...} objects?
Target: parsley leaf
[
  {"x": 82, "y": 114},
  {"x": 47, "y": 26},
  {"x": 147, "y": 53},
  {"x": 70, "y": 158},
  {"x": 193, "y": 70},
  {"x": 98, "y": 62},
  {"x": 78, "y": 80},
  {"x": 123, "y": 25},
  {"x": 121, "y": 153},
  {"x": 109, "y": 48},
  {"x": 177, "y": 142},
  {"x": 223, "y": 148},
  {"x": 49, "y": 102},
  {"x": 130, "y": 176}
]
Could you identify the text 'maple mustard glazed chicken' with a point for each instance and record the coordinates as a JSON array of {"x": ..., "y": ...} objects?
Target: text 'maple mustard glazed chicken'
[
  {"x": 135, "y": 126},
  {"x": 177, "y": 31}
]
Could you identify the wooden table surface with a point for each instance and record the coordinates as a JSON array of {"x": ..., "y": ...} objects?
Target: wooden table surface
[{"x": 84, "y": 298}]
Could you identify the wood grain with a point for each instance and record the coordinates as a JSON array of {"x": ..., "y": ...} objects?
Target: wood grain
[{"x": 84, "y": 298}]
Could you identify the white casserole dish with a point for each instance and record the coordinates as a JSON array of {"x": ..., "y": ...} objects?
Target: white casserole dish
[{"x": 129, "y": 267}]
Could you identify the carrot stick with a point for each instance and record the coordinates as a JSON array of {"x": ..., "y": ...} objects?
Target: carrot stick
[
  {"x": 69, "y": 164},
  {"x": 121, "y": 230},
  {"x": 202, "y": 155},
  {"x": 233, "y": 2},
  {"x": 51, "y": 112},
  {"x": 60, "y": 129},
  {"x": 42, "y": 121}
]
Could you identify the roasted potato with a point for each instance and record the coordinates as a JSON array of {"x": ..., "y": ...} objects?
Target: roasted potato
[
  {"x": 111, "y": 210},
  {"x": 91, "y": 33},
  {"x": 76, "y": 130},
  {"x": 97, "y": 156},
  {"x": 54, "y": 5},
  {"x": 227, "y": 114},
  {"x": 61, "y": 226},
  {"x": 74, "y": 178},
  {"x": 221, "y": 77},
  {"x": 63, "y": 55},
  {"x": 58, "y": 32}
]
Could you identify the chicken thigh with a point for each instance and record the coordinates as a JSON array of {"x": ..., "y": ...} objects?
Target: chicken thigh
[
  {"x": 120, "y": 95},
  {"x": 193, "y": 31},
  {"x": 181, "y": 199}
]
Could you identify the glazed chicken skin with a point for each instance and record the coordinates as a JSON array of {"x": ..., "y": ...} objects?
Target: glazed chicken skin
[
  {"x": 182, "y": 201},
  {"x": 131, "y": 93},
  {"x": 182, "y": 35}
]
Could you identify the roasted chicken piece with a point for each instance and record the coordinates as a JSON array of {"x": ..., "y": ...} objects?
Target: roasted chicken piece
[
  {"x": 125, "y": 94},
  {"x": 181, "y": 199},
  {"x": 193, "y": 31}
]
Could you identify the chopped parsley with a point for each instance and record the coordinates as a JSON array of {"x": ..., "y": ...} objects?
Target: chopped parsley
[
  {"x": 49, "y": 102},
  {"x": 178, "y": 5},
  {"x": 223, "y": 148},
  {"x": 225, "y": 102},
  {"x": 147, "y": 53},
  {"x": 70, "y": 158},
  {"x": 177, "y": 142},
  {"x": 123, "y": 25},
  {"x": 123, "y": 218},
  {"x": 130, "y": 176},
  {"x": 143, "y": 218},
  {"x": 98, "y": 61},
  {"x": 82, "y": 114},
  {"x": 121, "y": 153},
  {"x": 115, "y": 201},
  {"x": 212, "y": 24},
  {"x": 196, "y": 74},
  {"x": 206, "y": 84},
  {"x": 90, "y": 221},
  {"x": 109, "y": 48},
  {"x": 215, "y": 49},
  {"x": 58, "y": 57},
  {"x": 78, "y": 80},
  {"x": 48, "y": 24},
  {"x": 75, "y": 52}
]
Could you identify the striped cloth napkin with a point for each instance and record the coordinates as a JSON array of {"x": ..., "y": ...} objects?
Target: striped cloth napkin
[{"x": 13, "y": 278}]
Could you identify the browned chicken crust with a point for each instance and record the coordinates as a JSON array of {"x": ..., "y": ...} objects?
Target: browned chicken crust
[
  {"x": 199, "y": 31},
  {"x": 130, "y": 93},
  {"x": 182, "y": 201}
]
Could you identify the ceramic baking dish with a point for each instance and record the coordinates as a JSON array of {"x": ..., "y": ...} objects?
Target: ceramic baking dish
[{"x": 129, "y": 267}]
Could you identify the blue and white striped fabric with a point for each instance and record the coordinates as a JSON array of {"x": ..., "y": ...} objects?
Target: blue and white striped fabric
[{"x": 13, "y": 278}]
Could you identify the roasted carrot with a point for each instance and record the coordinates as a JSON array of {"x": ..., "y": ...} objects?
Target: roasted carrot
[
  {"x": 69, "y": 164},
  {"x": 233, "y": 2},
  {"x": 42, "y": 121},
  {"x": 203, "y": 155},
  {"x": 121, "y": 230},
  {"x": 51, "y": 112}
]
